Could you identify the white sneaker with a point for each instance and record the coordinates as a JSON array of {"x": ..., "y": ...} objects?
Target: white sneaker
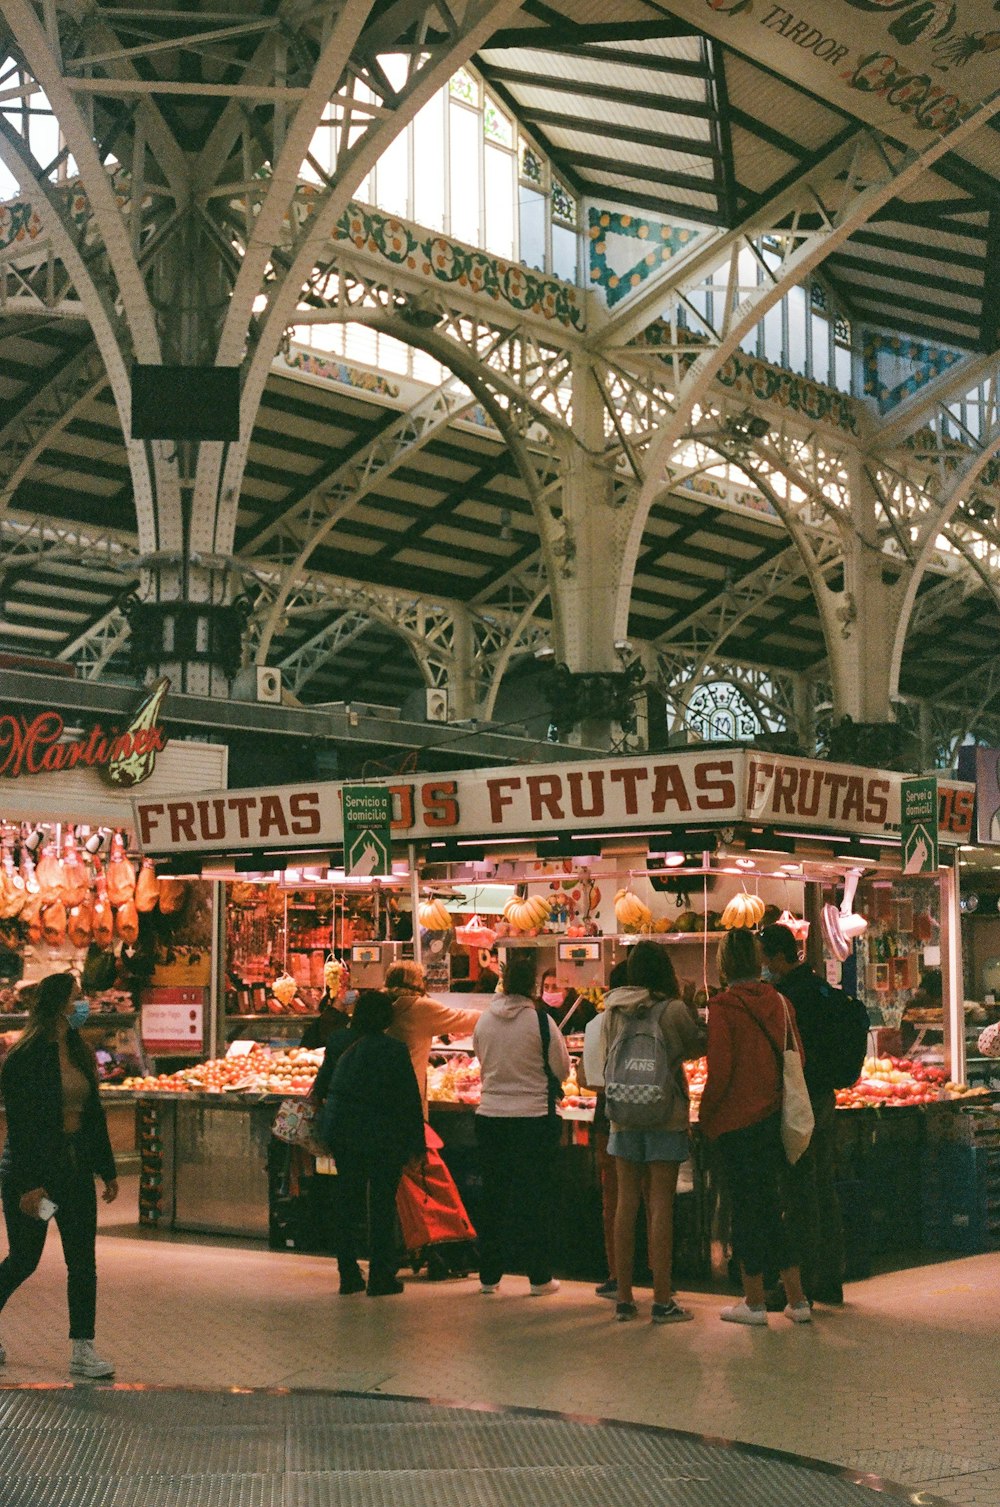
[
  {"x": 488, "y": 1287},
  {"x": 799, "y": 1313},
  {"x": 542, "y": 1289},
  {"x": 742, "y": 1313},
  {"x": 85, "y": 1361}
]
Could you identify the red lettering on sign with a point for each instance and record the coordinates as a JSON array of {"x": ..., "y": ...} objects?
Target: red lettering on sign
[
  {"x": 835, "y": 783},
  {"x": 758, "y": 775},
  {"x": 272, "y": 816},
  {"x": 241, "y": 804},
  {"x": 439, "y": 803},
  {"x": 960, "y": 820},
  {"x": 807, "y": 801},
  {"x": 629, "y": 779},
  {"x": 877, "y": 805},
  {"x": 207, "y": 834},
  {"x": 404, "y": 795},
  {"x": 854, "y": 800},
  {"x": 785, "y": 784},
  {"x": 147, "y": 822},
  {"x": 669, "y": 789},
  {"x": 304, "y": 809},
  {"x": 545, "y": 790},
  {"x": 574, "y": 780},
  {"x": 182, "y": 822},
  {"x": 499, "y": 798},
  {"x": 717, "y": 794}
]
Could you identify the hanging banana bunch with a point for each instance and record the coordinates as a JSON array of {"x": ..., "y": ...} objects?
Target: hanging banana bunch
[
  {"x": 743, "y": 911},
  {"x": 527, "y": 913},
  {"x": 433, "y": 915},
  {"x": 630, "y": 912}
]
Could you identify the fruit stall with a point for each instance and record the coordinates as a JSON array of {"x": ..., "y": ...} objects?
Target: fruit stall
[{"x": 581, "y": 860}]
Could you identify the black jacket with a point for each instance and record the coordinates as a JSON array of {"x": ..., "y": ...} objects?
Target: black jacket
[
  {"x": 374, "y": 1103},
  {"x": 813, "y": 1017},
  {"x": 31, "y": 1085}
]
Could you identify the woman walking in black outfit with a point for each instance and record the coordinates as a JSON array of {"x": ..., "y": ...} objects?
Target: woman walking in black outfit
[
  {"x": 57, "y": 1139},
  {"x": 374, "y": 1123}
]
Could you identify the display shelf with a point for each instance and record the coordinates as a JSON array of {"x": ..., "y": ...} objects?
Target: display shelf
[{"x": 97, "y": 1019}]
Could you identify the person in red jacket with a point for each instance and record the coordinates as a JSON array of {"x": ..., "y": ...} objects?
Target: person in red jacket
[{"x": 741, "y": 1110}]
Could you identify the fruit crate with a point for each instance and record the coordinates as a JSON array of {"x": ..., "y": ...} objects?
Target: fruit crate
[{"x": 960, "y": 1198}]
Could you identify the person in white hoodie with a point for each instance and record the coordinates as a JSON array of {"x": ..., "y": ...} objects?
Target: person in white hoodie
[
  {"x": 517, "y": 1131},
  {"x": 651, "y": 1156}
]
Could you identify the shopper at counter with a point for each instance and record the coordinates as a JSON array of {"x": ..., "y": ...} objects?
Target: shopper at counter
[
  {"x": 373, "y": 1123},
  {"x": 812, "y": 1207},
  {"x": 651, "y": 1157},
  {"x": 517, "y": 1130},
  {"x": 57, "y": 1139},
  {"x": 417, "y": 1018},
  {"x": 566, "y": 1008},
  {"x": 741, "y": 1109}
]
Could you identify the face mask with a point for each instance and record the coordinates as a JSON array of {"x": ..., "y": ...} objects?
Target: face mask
[
  {"x": 767, "y": 975},
  {"x": 79, "y": 1013},
  {"x": 552, "y": 996}
]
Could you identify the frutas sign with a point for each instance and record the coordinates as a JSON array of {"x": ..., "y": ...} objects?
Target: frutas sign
[
  {"x": 122, "y": 757},
  {"x": 696, "y": 789}
]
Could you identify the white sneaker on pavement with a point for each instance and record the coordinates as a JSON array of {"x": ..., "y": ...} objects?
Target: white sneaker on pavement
[
  {"x": 799, "y": 1313},
  {"x": 742, "y": 1313},
  {"x": 542, "y": 1289},
  {"x": 85, "y": 1361}
]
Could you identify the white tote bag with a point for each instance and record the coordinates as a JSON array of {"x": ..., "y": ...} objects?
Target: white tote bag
[{"x": 797, "y": 1119}]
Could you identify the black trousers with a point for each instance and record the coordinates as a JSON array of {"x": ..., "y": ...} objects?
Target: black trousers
[
  {"x": 366, "y": 1193},
  {"x": 72, "y": 1190},
  {"x": 812, "y": 1207},
  {"x": 517, "y": 1162},
  {"x": 754, "y": 1162}
]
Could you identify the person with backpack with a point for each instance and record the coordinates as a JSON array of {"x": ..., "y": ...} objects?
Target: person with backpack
[
  {"x": 523, "y": 1060},
  {"x": 647, "y": 1033},
  {"x": 749, "y": 1024},
  {"x": 373, "y": 1122},
  {"x": 833, "y": 1029}
]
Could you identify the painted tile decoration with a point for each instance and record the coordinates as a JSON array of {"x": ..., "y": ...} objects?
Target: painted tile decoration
[
  {"x": 618, "y": 265},
  {"x": 452, "y": 263},
  {"x": 332, "y": 370},
  {"x": 896, "y": 367},
  {"x": 752, "y": 377}
]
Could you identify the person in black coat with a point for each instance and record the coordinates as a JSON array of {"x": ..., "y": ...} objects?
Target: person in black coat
[
  {"x": 374, "y": 1124},
  {"x": 57, "y": 1140},
  {"x": 812, "y": 1207}
]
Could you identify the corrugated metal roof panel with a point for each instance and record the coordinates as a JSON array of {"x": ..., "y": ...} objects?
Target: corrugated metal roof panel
[
  {"x": 618, "y": 112},
  {"x": 872, "y": 283},
  {"x": 626, "y": 151},
  {"x": 757, "y": 164},
  {"x": 622, "y": 185},
  {"x": 625, "y": 76},
  {"x": 939, "y": 240},
  {"x": 786, "y": 109}
]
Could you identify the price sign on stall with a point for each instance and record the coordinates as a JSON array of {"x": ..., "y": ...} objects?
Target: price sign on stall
[
  {"x": 919, "y": 825},
  {"x": 367, "y": 818}
]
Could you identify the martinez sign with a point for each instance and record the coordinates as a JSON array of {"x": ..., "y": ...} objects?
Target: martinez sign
[
  {"x": 605, "y": 796},
  {"x": 123, "y": 757}
]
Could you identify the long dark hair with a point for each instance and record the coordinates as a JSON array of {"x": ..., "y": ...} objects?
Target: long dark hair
[{"x": 49, "y": 999}]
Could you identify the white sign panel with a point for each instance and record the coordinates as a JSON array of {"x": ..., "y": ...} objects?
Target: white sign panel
[{"x": 173, "y": 1030}]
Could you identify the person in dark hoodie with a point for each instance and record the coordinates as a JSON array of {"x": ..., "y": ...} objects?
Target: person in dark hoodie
[
  {"x": 741, "y": 1109},
  {"x": 647, "y": 1161},
  {"x": 374, "y": 1123},
  {"x": 517, "y": 1130}
]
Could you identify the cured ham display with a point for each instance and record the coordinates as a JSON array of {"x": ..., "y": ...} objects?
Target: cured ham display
[
  {"x": 12, "y": 889},
  {"x": 31, "y": 911},
  {"x": 49, "y": 873},
  {"x": 173, "y": 893},
  {"x": 79, "y": 923},
  {"x": 147, "y": 890},
  {"x": 121, "y": 874},
  {"x": 127, "y": 923},
  {"x": 53, "y": 922},
  {"x": 75, "y": 879},
  {"x": 103, "y": 920}
]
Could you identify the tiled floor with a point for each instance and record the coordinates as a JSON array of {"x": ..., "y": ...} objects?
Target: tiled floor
[{"x": 902, "y": 1383}]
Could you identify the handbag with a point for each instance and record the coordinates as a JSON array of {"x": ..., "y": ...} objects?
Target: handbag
[
  {"x": 797, "y": 1119},
  {"x": 295, "y": 1124}
]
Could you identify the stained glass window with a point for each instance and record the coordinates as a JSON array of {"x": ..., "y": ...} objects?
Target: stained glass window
[
  {"x": 497, "y": 126},
  {"x": 563, "y": 203},
  {"x": 532, "y": 170},
  {"x": 463, "y": 86}
]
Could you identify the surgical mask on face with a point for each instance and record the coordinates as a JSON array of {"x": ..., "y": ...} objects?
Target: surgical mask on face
[
  {"x": 767, "y": 975},
  {"x": 552, "y": 996},
  {"x": 79, "y": 1014}
]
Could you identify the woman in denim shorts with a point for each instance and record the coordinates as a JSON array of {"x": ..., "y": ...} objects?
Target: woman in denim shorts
[{"x": 652, "y": 1156}]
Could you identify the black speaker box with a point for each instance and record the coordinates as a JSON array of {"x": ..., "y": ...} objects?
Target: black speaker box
[{"x": 185, "y": 402}]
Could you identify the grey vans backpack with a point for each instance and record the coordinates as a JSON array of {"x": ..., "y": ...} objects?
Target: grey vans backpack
[{"x": 638, "y": 1085}]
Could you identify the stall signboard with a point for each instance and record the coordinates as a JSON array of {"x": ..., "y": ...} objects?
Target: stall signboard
[
  {"x": 606, "y": 796},
  {"x": 122, "y": 756},
  {"x": 919, "y": 825},
  {"x": 367, "y": 814},
  {"x": 172, "y": 1022},
  {"x": 988, "y": 795}
]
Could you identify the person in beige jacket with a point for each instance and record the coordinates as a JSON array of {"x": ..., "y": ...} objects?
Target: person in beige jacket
[{"x": 417, "y": 1019}]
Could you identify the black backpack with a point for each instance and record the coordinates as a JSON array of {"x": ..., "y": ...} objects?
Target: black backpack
[{"x": 846, "y": 1029}]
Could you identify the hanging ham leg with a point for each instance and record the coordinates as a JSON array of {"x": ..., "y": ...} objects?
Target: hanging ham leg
[
  {"x": 76, "y": 880},
  {"x": 103, "y": 921},
  {"x": 127, "y": 923},
  {"x": 147, "y": 891},
  {"x": 121, "y": 874}
]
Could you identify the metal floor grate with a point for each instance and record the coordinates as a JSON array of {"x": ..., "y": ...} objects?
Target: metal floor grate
[{"x": 105, "y": 1447}]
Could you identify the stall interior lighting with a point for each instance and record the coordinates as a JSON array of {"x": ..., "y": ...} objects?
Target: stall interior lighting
[
  {"x": 819, "y": 836},
  {"x": 745, "y": 863}
]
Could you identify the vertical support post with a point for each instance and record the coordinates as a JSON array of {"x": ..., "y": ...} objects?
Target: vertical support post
[
  {"x": 216, "y": 994},
  {"x": 411, "y": 858},
  {"x": 951, "y": 971}
]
